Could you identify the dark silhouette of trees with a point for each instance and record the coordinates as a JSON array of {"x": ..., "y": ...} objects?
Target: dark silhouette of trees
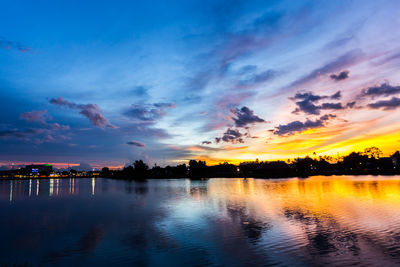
[
  {"x": 105, "y": 172},
  {"x": 367, "y": 162},
  {"x": 140, "y": 170},
  {"x": 370, "y": 161},
  {"x": 197, "y": 169}
]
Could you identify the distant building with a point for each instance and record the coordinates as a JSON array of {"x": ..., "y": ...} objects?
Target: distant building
[{"x": 36, "y": 169}]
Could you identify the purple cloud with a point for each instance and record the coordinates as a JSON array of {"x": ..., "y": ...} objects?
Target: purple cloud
[
  {"x": 90, "y": 111},
  {"x": 245, "y": 116},
  {"x": 136, "y": 143},
  {"x": 384, "y": 89},
  {"x": 231, "y": 136},
  {"x": 35, "y": 116},
  {"x": 148, "y": 112},
  {"x": 340, "y": 76},
  {"x": 308, "y": 103},
  {"x": 298, "y": 126},
  {"x": 390, "y": 104}
]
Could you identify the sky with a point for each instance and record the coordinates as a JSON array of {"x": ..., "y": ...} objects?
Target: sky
[{"x": 109, "y": 82}]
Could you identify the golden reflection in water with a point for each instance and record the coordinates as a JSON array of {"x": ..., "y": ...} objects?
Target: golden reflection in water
[
  {"x": 370, "y": 203},
  {"x": 11, "y": 191},
  {"x": 93, "y": 185},
  {"x": 51, "y": 187}
]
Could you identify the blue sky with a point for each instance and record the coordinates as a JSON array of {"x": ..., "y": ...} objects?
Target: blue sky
[{"x": 107, "y": 82}]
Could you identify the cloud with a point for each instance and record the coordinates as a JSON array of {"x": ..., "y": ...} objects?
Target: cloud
[
  {"x": 336, "y": 95},
  {"x": 351, "y": 104},
  {"x": 390, "y": 104},
  {"x": 340, "y": 76},
  {"x": 298, "y": 126},
  {"x": 308, "y": 103},
  {"x": 21, "y": 133},
  {"x": 206, "y": 143},
  {"x": 33, "y": 135},
  {"x": 40, "y": 116},
  {"x": 331, "y": 106},
  {"x": 6, "y": 44},
  {"x": 245, "y": 116},
  {"x": 136, "y": 143},
  {"x": 384, "y": 89},
  {"x": 231, "y": 136},
  {"x": 341, "y": 62},
  {"x": 140, "y": 91},
  {"x": 90, "y": 111},
  {"x": 34, "y": 116},
  {"x": 258, "y": 78},
  {"x": 57, "y": 126},
  {"x": 148, "y": 112}
]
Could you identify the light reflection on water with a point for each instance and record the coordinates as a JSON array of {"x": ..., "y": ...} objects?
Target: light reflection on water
[{"x": 337, "y": 221}]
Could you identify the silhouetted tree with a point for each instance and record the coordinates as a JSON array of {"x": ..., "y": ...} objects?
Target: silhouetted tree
[
  {"x": 197, "y": 168},
  {"x": 105, "y": 172},
  {"x": 140, "y": 169}
]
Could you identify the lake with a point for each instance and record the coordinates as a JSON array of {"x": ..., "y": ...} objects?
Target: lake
[{"x": 335, "y": 221}]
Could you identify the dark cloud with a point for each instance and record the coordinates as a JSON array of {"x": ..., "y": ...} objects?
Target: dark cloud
[
  {"x": 231, "y": 136},
  {"x": 340, "y": 76},
  {"x": 336, "y": 95},
  {"x": 6, "y": 44},
  {"x": 298, "y": 126},
  {"x": 34, "y": 116},
  {"x": 148, "y": 112},
  {"x": 382, "y": 90},
  {"x": 308, "y": 103},
  {"x": 90, "y": 111},
  {"x": 245, "y": 116},
  {"x": 331, "y": 106},
  {"x": 136, "y": 143},
  {"x": 206, "y": 143},
  {"x": 351, "y": 104},
  {"x": 390, "y": 104}
]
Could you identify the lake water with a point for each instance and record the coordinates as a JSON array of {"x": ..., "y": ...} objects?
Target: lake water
[{"x": 335, "y": 221}]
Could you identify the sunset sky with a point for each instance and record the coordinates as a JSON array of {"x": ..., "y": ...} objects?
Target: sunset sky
[{"x": 106, "y": 83}]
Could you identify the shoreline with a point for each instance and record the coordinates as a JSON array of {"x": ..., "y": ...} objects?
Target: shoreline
[{"x": 192, "y": 178}]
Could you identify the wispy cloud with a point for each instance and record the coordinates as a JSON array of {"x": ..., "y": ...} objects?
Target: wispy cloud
[
  {"x": 12, "y": 45},
  {"x": 148, "y": 112}
]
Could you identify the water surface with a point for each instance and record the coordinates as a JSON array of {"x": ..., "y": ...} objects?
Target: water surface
[{"x": 336, "y": 221}]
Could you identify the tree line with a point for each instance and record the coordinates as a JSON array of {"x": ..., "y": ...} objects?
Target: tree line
[{"x": 356, "y": 163}]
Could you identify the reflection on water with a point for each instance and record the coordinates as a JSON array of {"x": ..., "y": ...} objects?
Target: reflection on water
[{"x": 336, "y": 221}]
